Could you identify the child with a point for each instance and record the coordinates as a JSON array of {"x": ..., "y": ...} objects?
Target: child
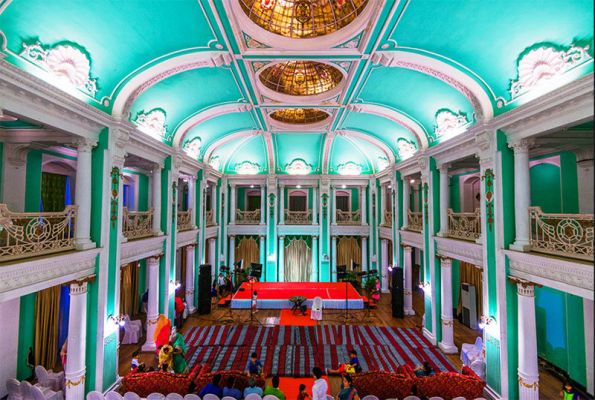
[
  {"x": 567, "y": 392},
  {"x": 376, "y": 293},
  {"x": 351, "y": 367},
  {"x": 254, "y": 298},
  {"x": 221, "y": 282},
  {"x": 254, "y": 365},
  {"x": 303, "y": 394},
  {"x": 135, "y": 362},
  {"x": 214, "y": 290}
]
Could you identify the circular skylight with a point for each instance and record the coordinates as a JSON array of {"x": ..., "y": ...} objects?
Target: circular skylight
[
  {"x": 301, "y": 78},
  {"x": 302, "y": 18},
  {"x": 299, "y": 116}
]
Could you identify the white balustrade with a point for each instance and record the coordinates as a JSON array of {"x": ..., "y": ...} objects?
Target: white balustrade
[
  {"x": 466, "y": 226},
  {"x": 349, "y": 217},
  {"x": 388, "y": 219},
  {"x": 247, "y": 217},
  {"x": 298, "y": 217},
  {"x": 137, "y": 224},
  {"x": 414, "y": 221},
  {"x": 209, "y": 218},
  {"x": 184, "y": 220}
]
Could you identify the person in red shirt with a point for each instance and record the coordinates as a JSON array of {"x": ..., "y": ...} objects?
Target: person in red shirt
[{"x": 180, "y": 307}]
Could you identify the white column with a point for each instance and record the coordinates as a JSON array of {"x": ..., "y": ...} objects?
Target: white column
[
  {"x": 333, "y": 207},
  {"x": 384, "y": 272},
  {"x": 232, "y": 251},
  {"x": 281, "y": 205},
  {"x": 585, "y": 185},
  {"x": 334, "y": 259},
  {"x": 192, "y": 202},
  {"x": 263, "y": 208},
  {"x": 408, "y": 280},
  {"x": 447, "y": 344},
  {"x": 528, "y": 367},
  {"x": 157, "y": 199},
  {"x": 262, "y": 248},
  {"x": 382, "y": 204},
  {"x": 232, "y": 204},
  {"x": 214, "y": 201},
  {"x": 281, "y": 259},
  {"x": 588, "y": 316},
  {"x": 444, "y": 200},
  {"x": 314, "y": 205},
  {"x": 212, "y": 255},
  {"x": 314, "y": 276},
  {"x": 82, "y": 193},
  {"x": 364, "y": 206},
  {"x": 406, "y": 194},
  {"x": 190, "y": 271},
  {"x": 364, "y": 253},
  {"x": 74, "y": 376},
  {"x": 522, "y": 194},
  {"x": 153, "y": 302},
  {"x": 14, "y": 169}
]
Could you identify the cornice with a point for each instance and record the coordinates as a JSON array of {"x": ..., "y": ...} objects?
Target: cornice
[
  {"x": 139, "y": 249},
  {"x": 298, "y": 230},
  {"x": 340, "y": 230},
  {"x": 246, "y": 230},
  {"x": 414, "y": 239},
  {"x": 185, "y": 238},
  {"x": 460, "y": 250}
]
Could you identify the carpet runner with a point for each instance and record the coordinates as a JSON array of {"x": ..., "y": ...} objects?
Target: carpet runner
[
  {"x": 293, "y": 351},
  {"x": 289, "y": 319}
]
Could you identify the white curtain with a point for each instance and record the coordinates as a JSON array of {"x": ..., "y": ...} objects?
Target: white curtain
[{"x": 298, "y": 261}]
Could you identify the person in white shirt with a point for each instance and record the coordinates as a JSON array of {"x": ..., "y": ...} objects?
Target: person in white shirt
[{"x": 320, "y": 386}]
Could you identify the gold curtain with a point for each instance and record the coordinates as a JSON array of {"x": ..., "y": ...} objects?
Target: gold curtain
[
  {"x": 348, "y": 249},
  {"x": 472, "y": 275},
  {"x": 129, "y": 289},
  {"x": 47, "y": 317},
  {"x": 298, "y": 261},
  {"x": 248, "y": 251}
]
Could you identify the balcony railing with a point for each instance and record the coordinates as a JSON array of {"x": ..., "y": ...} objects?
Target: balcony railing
[
  {"x": 24, "y": 235},
  {"x": 209, "y": 221},
  {"x": 185, "y": 220},
  {"x": 567, "y": 235},
  {"x": 349, "y": 217},
  {"x": 137, "y": 224},
  {"x": 414, "y": 221},
  {"x": 248, "y": 217},
  {"x": 466, "y": 226},
  {"x": 298, "y": 217},
  {"x": 388, "y": 219}
]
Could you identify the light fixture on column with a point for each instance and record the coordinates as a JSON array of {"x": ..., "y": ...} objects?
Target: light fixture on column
[
  {"x": 174, "y": 285},
  {"x": 486, "y": 321},
  {"x": 271, "y": 257},
  {"x": 117, "y": 320},
  {"x": 390, "y": 268},
  {"x": 425, "y": 286}
]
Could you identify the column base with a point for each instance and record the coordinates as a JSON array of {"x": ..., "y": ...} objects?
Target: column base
[
  {"x": 158, "y": 233},
  {"x": 442, "y": 234},
  {"x": 191, "y": 310},
  {"x": 149, "y": 347},
  {"x": 74, "y": 385},
  {"x": 429, "y": 335},
  {"x": 385, "y": 291},
  {"x": 404, "y": 227},
  {"x": 409, "y": 311},
  {"x": 84, "y": 244},
  {"x": 520, "y": 246},
  {"x": 448, "y": 348},
  {"x": 528, "y": 387}
]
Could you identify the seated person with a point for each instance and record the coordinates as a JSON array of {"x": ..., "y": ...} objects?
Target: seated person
[
  {"x": 230, "y": 391},
  {"x": 141, "y": 368},
  {"x": 351, "y": 367},
  {"x": 274, "y": 389},
  {"x": 424, "y": 370},
  {"x": 164, "y": 367},
  {"x": 252, "y": 388},
  {"x": 302, "y": 395},
  {"x": 348, "y": 392},
  {"x": 134, "y": 362},
  {"x": 568, "y": 393},
  {"x": 254, "y": 366},
  {"x": 212, "y": 388}
]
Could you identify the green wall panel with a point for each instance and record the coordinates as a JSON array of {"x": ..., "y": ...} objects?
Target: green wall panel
[
  {"x": 33, "y": 181},
  {"x": 26, "y": 335}
]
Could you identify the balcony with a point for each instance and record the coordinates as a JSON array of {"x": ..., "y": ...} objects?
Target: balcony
[
  {"x": 349, "y": 217},
  {"x": 566, "y": 235},
  {"x": 137, "y": 224},
  {"x": 298, "y": 217},
  {"x": 209, "y": 218},
  {"x": 466, "y": 226},
  {"x": 184, "y": 220},
  {"x": 248, "y": 217},
  {"x": 24, "y": 235},
  {"x": 388, "y": 219},
  {"x": 415, "y": 221}
]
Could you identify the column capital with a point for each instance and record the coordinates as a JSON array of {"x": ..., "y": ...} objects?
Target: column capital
[
  {"x": 364, "y": 237},
  {"x": 314, "y": 236},
  {"x": 191, "y": 245},
  {"x": 384, "y": 241},
  {"x": 16, "y": 154},
  {"x": 281, "y": 237},
  {"x": 155, "y": 259},
  {"x": 157, "y": 167},
  {"x": 84, "y": 145},
  {"x": 444, "y": 168},
  {"x": 521, "y": 146},
  {"x": 443, "y": 257},
  {"x": 334, "y": 237},
  {"x": 407, "y": 248},
  {"x": 231, "y": 236},
  {"x": 485, "y": 143},
  {"x": 232, "y": 185},
  {"x": 261, "y": 236},
  {"x": 79, "y": 286},
  {"x": 524, "y": 287}
]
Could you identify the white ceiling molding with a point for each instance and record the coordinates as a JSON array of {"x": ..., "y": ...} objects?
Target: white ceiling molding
[
  {"x": 467, "y": 86},
  {"x": 406, "y": 122},
  {"x": 270, "y": 148},
  {"x": 226, "y": 139},
  {"x": 372, "y": 140},
  {"x": 172, "y": 66},
  {"x": 328, "y": 142},
  {"x": 191, "y": 123}
]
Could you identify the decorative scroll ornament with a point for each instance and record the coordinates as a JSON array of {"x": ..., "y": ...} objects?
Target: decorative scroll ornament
[
  {"x": 426, "y": 202},
  {"x": 489, "y": 181},
  {"x": 349, "y": 168},
  {"x": 116, "y": 175},
  {"x": 247, "y": 168},
  {"x": 215, "y": 163},
  {"x": 272, "y": 204},
  {"x": 65, "y": 62},
  {"x": 382, "y": 163},
  {"x": 544, "y": 64},
  {"x": 174, "y": 205},
  {"x": 298, "y": 167},
  {"x": 324, "y": 205},
  {"x": 448, "y": 124},
  {"x": 153, "y": 123},
  {"x": 192, "y": 147},
  {"x": 351, "y": 43},
  {"x": 252, "y": 43},
  {"x": 405, "y": 149}
]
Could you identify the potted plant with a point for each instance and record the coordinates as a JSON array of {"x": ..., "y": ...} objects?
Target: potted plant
[
  {"x": 370, "y": 285},
  {"x": 352, "y": 278}
]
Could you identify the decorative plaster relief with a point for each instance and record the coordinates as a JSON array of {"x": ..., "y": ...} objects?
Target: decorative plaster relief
[
  {"x": 350, "y": 168},
  {"x": 405, "y": 149},
  {"x": 298, "y": 167},
  {"x": 352, "y": 43},
  {"x": 139, "y": 249},
  {"x": 186, "y": 238},
  {"x": 448, "y": 124},
  {"x": 414, "y": 239},
  {"x": 382, "y": 163},
  {"x": 192, "y": 147},
  {"x": 247, "y": 168},
  {"x": 460, "y": 250},
  {"x": 153, "y": 123},
  {"x": 215, "y": 163},
  {"x": 252, "y": 43}
]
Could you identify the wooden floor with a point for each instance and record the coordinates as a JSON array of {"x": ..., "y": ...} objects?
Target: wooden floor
[{"x": 549, "y": 385}]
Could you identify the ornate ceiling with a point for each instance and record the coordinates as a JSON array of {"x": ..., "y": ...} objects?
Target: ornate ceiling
[{"x": 273, "y": 86}]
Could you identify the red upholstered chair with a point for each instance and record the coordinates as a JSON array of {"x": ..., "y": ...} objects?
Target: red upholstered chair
[
  {"x": 145, "y": 383},
  {"x": 382, "y": 384},
  {"x": 205, "y": 377},
  {"x": 448, "y": 385}
]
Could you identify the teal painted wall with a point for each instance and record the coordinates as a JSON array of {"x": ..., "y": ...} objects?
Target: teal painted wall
[
  {"x": 553, "y": 188},
  {"x": 26, "y": 335},
  {"x": 143, "y": 192},
  {"x": 455, "y": 194},
  {"x": 33, "y": 181},
  {"x": 455, "y": 284}
]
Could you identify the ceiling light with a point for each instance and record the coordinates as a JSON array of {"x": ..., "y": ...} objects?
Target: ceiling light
[
  {"x": 343, "y": 187},
  {"x": 251, "y": 186},
  {"x": 299, "y": 186},
  {"x": 412, "y": 181}
]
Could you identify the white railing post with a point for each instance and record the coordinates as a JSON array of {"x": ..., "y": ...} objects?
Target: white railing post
[
  {"x": 232, "y": 203},
  {"x": 281, "y": 205},
  {"x": 82, "y": 193},
  {"x": 406, "y": 194},
  {"x": 522, "y": 193},
  {"x": 157, "y": 199},
  {"x": 444, "y": 200}
]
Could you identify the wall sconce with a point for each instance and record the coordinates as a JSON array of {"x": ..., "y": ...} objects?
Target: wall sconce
[
  {"x": 271, "y": 257},
  {"x": 174, "y": 285},
  {"x": 251, "y": 186},
  {"x": 299, "y": 186},
  {"x": 425, "y": 286},
  {"x": 486, "y": 321},
  {"x": 117, "y": 320},
  {"x": 412, "y": 181},
  {"x": 325, "y": 257}
]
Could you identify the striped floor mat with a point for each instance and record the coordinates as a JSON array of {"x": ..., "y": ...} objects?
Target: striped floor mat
[{"x": 295, "y": 350}]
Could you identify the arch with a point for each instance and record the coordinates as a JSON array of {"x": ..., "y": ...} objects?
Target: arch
[
  {"x": 172, "y": 66},
  {"x": 467, "y": 183},
  {"x": 459, "y": 80},
  {"x": 226, "y": 139}
]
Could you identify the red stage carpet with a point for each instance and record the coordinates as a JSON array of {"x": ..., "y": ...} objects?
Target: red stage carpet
[
  {"x": 287, "y": 318},
  {"x": 291, "y": 386},
  {"x": 275, "y": 295}
]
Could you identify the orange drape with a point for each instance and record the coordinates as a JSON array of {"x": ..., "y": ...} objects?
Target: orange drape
[
  {"x": 47, "y": 316},
  {"x": 129, "y": 289}
]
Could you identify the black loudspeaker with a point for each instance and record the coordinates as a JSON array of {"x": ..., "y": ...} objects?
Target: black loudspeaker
[
  {"x": 204, "y": 289},
  {"x": 341, "y": 272},
  {"x": 256, "y": 270},
  {"x": 397, "y": 293}
]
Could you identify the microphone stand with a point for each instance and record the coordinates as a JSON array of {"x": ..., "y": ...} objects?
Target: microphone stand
[
  {"x": 230, "y": 318},
  {"x": 252, "y": 319},
  {"x": 346, "y": 316}
]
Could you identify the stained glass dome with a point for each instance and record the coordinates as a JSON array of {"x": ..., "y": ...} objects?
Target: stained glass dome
[
  {"x": 301, "y": 78},
  {"x": 299, "y": 116}
]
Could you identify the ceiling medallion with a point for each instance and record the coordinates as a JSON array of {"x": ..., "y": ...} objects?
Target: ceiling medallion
[
  {"x": 349, "y": 168},
  {"x": 302, "y": 18},
  {"x": 300, "y": 78},
  {"x": 192, "y": 147},
  {"x": 299, "y": 116},
  {"x": 152, "y": 123},
  {"x": 247, "y": 168},
  {"x": 298, "y": 167}
]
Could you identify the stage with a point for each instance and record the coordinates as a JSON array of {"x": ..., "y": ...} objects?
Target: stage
[{"x": 275, "y": 295}]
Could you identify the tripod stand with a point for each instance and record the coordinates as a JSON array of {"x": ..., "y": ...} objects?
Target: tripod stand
[
  {"x": 228, "y": 319},
  {"x": 252, "y": 319},
  {"x": 346, "y": 317}
]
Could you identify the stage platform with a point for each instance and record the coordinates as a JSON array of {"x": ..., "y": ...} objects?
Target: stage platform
[{"x": 275, "y": 295}]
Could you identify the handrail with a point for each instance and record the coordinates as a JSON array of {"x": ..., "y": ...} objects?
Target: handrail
[
  {"x": 24, "y": 235},
  {"x": 414, "y": 221},
  {"x": 298, "y": 217},
  {"x": 184, "y": 220},
  {"x": 137, "y": 224},
  {"x": 568, "y": 235},
  {"x": 349, "y": 217},
  {"x": 248, "y": 217},
  {"x": 466, "y": 226}
]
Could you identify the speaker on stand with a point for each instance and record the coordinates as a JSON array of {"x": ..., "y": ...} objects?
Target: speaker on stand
[
  {"x": 204, "y": 289},
  {"x": 398, "y": 300}
]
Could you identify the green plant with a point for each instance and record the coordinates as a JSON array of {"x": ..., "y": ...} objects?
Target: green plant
[
  {"x": 351, "y": 276},
  {"x": 370, "y": 283}
]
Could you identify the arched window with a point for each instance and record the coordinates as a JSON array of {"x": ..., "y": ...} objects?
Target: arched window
[
  {"x": 252, "y": 200},
  {"x": 298, "y": 200},
  {"x": 343, "y": 200}
]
